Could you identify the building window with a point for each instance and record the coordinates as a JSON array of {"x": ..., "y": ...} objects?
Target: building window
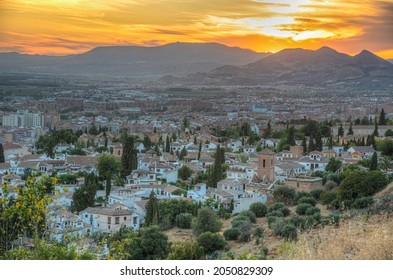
[
  {"x": 125, "y": 218},
  {"x": 109, "y": 226},
  {"x": 117, "y": 220},
  {"x": 264, "y": 163},
  {"x": 135, "y": 220},
  {"x": 109, "y": 220}
]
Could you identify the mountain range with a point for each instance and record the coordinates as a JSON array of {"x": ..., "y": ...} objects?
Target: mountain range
[
  {"x": 133, "y": 61},
  {"x": 214, "y": 64},
  {"x": 322, "y": 67}
]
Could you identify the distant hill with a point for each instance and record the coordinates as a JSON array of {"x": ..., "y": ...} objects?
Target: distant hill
[
  {"x": 322, "y": 67},
  {"x": 134, "y": 61},
  {"x": 390, "y": 60}
]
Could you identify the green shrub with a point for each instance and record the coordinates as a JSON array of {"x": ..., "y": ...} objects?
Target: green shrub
[
  {"x": 276, "y": 213},
  {"x": 232, "y": 234},
  {"x": 308, "y": 200},
  {"x": 302, "y": 208},
  {"x": 259, "y": 232},
  {"x": 316, "y": 194},
  {"x": 286, "y": 212},
  {"x": 332, "y": 219},
  {"x": 245, "y": 232},
  {"x": 239, "y": 220},
  {"x": 259, "y": 209},
  {"x": 328, "y": 197},
  {"x": 206, "y": 220},
  {"x": 211, "y": 242},
  {"x": 279, "y": 207},
  {"x": 275, "y": 206},
  {"x": 311, "y": 221},
  {"x": 300, "y": 195},
  {"x": 312, "y": 210},
  {"x": 284, "y": 195},
  {"x": 184, "y": 220},
  {"x": 271, "y": 220},
  {"x": 363, "y": 202},
  {"x": 335, "y": 204},
  {"x": 278, "y": 225},
  {"x": 297, "y": 220},
  {"x": 250, "y": 215},
  {"x": 289, "y": 232}
]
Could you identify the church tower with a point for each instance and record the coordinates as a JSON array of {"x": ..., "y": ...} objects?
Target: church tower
[{"x": 265, "y": 170}]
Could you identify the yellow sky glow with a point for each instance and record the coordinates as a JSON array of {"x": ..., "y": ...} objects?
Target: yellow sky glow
[{"x": 60, "y": 27}]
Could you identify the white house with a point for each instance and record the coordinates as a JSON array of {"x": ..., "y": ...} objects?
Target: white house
[
  {"x": 142, "y": 177},
  {"x": 61, "y": 222},
  {"x": 365, "y": 151},
  {"x": 198, "y": 193},
  {"x": 283, "y": 169},
  {"x": 110, "y": 219},
  {"x": 235, "y": 145},
  {"x": 249, "y": 149},
  {"x": 243, "y": 203},
  {"x": 237, "y": 172},
  {"x": 63, "y": 199},
  {"x": 313, "y": 164}
]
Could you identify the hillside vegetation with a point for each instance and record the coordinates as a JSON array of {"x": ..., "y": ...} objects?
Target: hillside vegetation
[{"x": 361, "y": 236}]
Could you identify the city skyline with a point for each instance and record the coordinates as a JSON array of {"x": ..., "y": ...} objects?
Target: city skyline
[{"x": 57, "y": 27}]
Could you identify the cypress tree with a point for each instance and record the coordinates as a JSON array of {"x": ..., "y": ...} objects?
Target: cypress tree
[
  {"x": 350, "y": 130},
  {"x": 340, "y": 131},
  {"x": 183, "y": 153},
  {"x": 2, "y": 158},
  {"x": 215, "y": 172},
  {"x": 152, "y": 212},
  {"x": 318, "y": 142},
  {"x": 382, "y": 118},
  {"x": 311, "y": 145},
  {"x": 374, "y": 162},
  {"x": 147, "y": 142},
  {"x": 167, "y": 145},
  {"x": 304, "y": 145},
  {"x": 127, "y": 157},
  {"x": 376, "y": 133},
  {"x": 330, "y": 142},
  {"x": 291, "y": 136}
]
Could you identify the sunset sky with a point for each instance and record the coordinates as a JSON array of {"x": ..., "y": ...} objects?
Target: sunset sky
[{"x": 59, "y": 27}]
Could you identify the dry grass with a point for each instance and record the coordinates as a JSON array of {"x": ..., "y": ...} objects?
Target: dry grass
[{"x": 360, "y": 238}]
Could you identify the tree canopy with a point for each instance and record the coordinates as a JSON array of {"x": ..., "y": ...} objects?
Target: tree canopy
[{"x": 206, "y": 220}]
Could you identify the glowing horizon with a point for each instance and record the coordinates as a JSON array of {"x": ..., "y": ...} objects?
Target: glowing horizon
[{"x": 61, "y": 27}]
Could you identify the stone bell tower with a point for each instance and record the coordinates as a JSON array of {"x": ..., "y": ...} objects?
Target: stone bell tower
[{"x": 265, "y": 169}]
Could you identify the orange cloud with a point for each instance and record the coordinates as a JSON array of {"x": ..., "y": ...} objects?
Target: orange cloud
[{"x": 75, "y": 26}]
